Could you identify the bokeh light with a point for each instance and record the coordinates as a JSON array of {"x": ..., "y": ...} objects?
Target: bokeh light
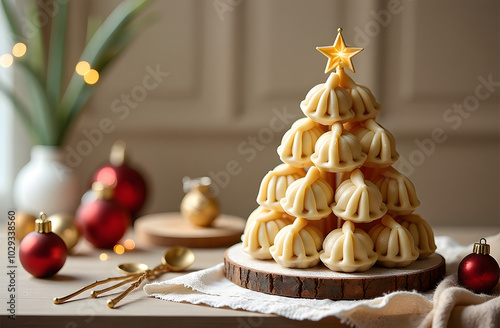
[
  {"x": 91, "y": 77},
  {"x": 103, "y": 257},
  {"x": 19, "y": 49},
  {"x": 119, "y": 249},
  {"x": 6, "y": 60},
  {"x": 82, "y": 68},
  {"x": 129, "y": 244},
  {"x": 107, "y": 175}
]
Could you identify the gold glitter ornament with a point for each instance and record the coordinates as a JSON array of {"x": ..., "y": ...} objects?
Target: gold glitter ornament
[
  {"x": 25, "y": 223},
  {"x": 64, "y": 226},
  {"x": 199, "y": 206}
]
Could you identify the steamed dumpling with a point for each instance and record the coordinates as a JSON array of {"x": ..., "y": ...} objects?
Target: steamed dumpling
[
  {"x": 260, "y": 231},
  {"x": 364, "y": 104},
  {"x": 348, "y": 249},
  {"x": 327, "y": 103},
  {"x": 358, "y": 200},
  {"x": 377, "y": 143},
  {"x": 338, "y": 151},
  {"x": 274, "y": 185},
  {"x": 297, "y": 245},
  {"x": 309, "y": 197},
  {"x": 297, "y": 144},
  {"x": 398, "y": 192},
  {"x": 394, "y": 244},
  {"x": 258, "y": 211},
  {"x": 422, "y": 233}
]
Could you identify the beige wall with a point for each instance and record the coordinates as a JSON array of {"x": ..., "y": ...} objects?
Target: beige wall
[{"x": 233, "y": 65}]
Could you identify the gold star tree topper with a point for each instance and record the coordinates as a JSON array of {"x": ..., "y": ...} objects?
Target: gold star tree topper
[{"x": 338, "y": 54}]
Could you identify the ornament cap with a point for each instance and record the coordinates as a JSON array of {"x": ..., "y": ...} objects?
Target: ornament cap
[
  {"x": 118, "y": 154},
  {"x": 43, "y": 225},
  {"x": 103, "y": 191},
  {"x": 481, "y": 248},
  {"x": 202, "y": 183}
]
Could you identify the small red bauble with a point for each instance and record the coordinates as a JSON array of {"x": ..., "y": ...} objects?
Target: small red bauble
[
  {"x": 103, "y": 222},
  {"x": 42, "y": 253},
  {"x": 478, "y": 271},
  {"x": 130, "y": 186}
]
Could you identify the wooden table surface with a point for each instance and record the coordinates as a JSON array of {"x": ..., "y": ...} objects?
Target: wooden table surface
[{"x": 34, "y": 306}]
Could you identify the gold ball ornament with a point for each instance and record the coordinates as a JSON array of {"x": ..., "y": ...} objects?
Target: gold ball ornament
[
  {"x": 25, "y": 223},
  {"x": 199, "y": 206},
  {"x": 64, "y": 226}
]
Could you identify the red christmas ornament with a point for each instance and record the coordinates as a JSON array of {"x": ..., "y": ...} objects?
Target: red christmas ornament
[
  {"x": 130, "y": 187},
  {"x": 42, "y": 253},
  {"x": 103, "y": 222},
  {"x": 479, "y": 271}
]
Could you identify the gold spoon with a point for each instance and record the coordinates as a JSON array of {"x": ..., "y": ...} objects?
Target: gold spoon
[
  {"x": 174, "y": 259},
  {"x": 132, "y": 268},
  {"x": 178, "y": 258}
]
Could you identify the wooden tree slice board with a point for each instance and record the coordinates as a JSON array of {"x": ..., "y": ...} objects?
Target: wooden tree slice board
[
  {"x": 171, "y": 229},
  {"x": 322, "y": 283}
]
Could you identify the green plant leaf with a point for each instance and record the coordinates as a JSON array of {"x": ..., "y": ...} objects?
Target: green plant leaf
[
  {"x": 93, "y": 24},
  {"x": 122, "y": 40},
  {"x": 34, "y": 41},
  {"x": 23, "y": 113},
  {"x": 110, "y": 28},
  {"x": 55, "y": 65},
  {"x": 97, "y": 48},
  {"x": 9, "y": 11},
  {"x": 45, "y": 120},
  {"x": 115, "y": 49},
  {"x": 82, "y": 97}
]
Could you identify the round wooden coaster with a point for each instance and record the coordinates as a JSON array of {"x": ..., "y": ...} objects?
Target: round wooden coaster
[
  {"x": 171, "y": 229},
  {"x": 321, "y": 283}
]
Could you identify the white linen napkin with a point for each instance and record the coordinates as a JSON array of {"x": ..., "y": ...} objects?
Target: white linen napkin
[{"x": 210, "y": 287}]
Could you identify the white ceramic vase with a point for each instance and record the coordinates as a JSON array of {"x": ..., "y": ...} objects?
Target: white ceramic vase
[{"x": 46, "y": 184}]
